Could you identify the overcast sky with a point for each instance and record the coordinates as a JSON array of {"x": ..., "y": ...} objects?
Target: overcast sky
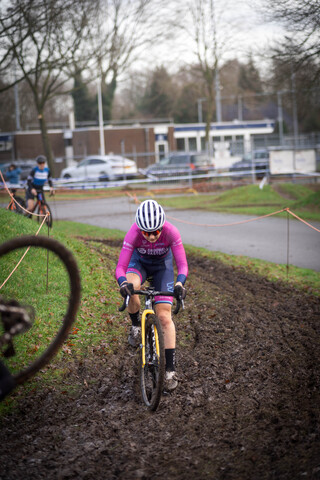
[{"x": 243, "y": 22}]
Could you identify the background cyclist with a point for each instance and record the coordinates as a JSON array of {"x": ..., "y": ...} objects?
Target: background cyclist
[
  {"x": 38, "y": 176},
  {"x": 148, "y": 250}
]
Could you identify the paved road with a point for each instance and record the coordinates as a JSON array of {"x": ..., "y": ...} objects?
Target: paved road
[{"x": 265, "y": 239}]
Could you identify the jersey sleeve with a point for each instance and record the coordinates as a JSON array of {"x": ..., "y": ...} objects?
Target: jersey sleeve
[
  {"x": 50, "y": 179},
  {"x": 30, "y": 178},
  {"x": 179, "y": 254},
  {"x": 128, "y": 247}
]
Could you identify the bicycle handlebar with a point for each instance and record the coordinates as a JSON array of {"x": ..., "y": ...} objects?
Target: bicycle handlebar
[{"x": 153, "y": 293}]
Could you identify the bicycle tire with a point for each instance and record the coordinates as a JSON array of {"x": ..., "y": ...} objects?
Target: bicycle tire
[
  {"x": 43, "y": 209},
  {"x": 152, "y": 373},
  {"x": 72, "y": 270},
  {"x": 15, "y": 207}
]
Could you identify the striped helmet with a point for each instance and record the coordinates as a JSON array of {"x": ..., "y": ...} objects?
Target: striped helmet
[{"x": 150, "y": 216}]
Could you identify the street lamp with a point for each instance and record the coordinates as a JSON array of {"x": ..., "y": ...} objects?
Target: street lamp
[{"x": 102, "y": 148}]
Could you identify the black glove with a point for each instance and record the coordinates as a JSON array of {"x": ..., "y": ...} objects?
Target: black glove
[
  {"x": 126, "y": 289},
  {"x": 179, "y": 292}
]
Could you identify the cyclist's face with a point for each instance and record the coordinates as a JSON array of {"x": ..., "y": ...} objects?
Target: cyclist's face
[
  {"x": 151, "y": 237},
  {"x": 41, "y": 165}
]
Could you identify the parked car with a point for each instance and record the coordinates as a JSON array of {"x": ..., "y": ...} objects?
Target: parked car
[
  {"x": 25, "y": 165},
  {"x": 181, "y": 163},
  {"x": 101, "y": 167},
  {"x": 259, "y": 159}
]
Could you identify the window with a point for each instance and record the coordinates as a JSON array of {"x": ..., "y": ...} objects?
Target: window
[
  {"x": 83, "y": 163},
  {"x": 179, "y": 159},
  {"x": 180, "y": 144},
  {"x": 192, "y": 144},
  {"x": 96, "y": 161}
]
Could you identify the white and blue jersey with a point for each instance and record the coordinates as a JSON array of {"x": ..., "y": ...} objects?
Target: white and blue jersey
[{"x": 37, "y": 178}]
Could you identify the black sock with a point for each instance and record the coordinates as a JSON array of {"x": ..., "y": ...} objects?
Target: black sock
[
  {"x": 170, "y": 359},
  {"x": 135, "y": 319}
]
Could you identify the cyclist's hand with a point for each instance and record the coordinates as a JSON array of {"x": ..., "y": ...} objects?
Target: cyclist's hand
[
  {"x": 179, "y": 291},
  {"x": 126, "y": 289},
  {"x": 52, "y": 192},
  {"x": 34, "y": 191}
]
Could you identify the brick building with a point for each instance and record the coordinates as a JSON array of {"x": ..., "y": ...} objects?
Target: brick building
[{"x": 143, "y": 143}]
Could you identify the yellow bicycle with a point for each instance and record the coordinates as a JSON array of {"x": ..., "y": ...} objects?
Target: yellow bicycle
[{"x": 152, "y": 362}]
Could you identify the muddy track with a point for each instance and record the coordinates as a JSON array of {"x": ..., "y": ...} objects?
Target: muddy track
[{"x": 247, "y": 406}]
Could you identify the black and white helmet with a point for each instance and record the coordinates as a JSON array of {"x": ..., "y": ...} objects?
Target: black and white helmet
[{"x": 150, "y": 216}]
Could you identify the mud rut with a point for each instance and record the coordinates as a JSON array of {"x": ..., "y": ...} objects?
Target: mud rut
[{"x": 247, "y": 406}]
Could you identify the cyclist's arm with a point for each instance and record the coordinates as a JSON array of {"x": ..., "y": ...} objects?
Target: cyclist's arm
[
  {"x": 50, "y": 179},
  {"x": 128, "y": 247},
  {"x": 30, "y": 179},
  {"x": 179, "y": 255}
]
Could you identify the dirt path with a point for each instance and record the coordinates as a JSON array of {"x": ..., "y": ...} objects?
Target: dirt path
[{"x": 247, "y": 406}]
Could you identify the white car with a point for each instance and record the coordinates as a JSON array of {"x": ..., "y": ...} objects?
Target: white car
[{"x": 101, "y": 167}]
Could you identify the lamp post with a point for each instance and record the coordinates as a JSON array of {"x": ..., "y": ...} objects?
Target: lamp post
[
  {"x": 102, "y": 147},
  {"x": 280, "y": 117}
]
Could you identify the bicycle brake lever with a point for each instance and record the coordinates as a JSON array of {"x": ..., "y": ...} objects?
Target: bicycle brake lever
[{"x": 124, "y": 304}]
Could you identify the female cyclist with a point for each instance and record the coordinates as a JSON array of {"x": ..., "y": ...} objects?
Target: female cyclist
[{"x": 148, "y": 250}]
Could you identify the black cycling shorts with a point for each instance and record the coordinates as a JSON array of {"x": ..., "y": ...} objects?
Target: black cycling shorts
[{"x": 161, "y": 271}]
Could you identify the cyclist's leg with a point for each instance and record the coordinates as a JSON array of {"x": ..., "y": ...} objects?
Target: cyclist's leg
[
  {"x": 163, "y": 312},
  {"x": 29, "y": 200},
  {"x": 136, "y": 274},
  {"x": 134, "y": 304},
  {"x": 163, "y": 279}
]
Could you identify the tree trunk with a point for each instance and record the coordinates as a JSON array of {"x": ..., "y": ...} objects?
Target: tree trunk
[{"x": 46, "y": 142}]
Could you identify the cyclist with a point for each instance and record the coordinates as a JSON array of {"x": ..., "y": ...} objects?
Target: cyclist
[
  {"x": 38, "y": 176},
  {"x": 148, "y": 249}
]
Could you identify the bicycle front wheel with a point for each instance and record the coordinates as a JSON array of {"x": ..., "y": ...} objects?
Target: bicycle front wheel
[
  {"x": 152, "y": 368},
  {"x": 44, "y": 209},
  {"x": 48, "y": 281}
]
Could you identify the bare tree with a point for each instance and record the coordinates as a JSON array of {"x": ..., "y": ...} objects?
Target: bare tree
[
  {"x": 44, "y": 38},
  {"x": 213, "y": 34},
  {"x": 301, "y": 44},
  {"x": 124, "y": 29}
]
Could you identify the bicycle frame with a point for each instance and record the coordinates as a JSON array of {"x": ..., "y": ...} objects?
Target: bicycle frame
[
  {"x": 152, "y": 349},
  {"x": 149, "y": 294}
]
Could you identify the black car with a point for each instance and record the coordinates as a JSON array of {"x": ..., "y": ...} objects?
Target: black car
[
  {"x": 258, "y": 159},
  {"x": 181, "y": 163}
]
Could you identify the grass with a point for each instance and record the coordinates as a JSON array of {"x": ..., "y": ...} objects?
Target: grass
[
  {"x": 99, "y": 328},
  {"x": 250, "y": 200}
]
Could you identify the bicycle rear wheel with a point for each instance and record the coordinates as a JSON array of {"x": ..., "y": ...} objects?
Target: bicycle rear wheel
[
  {"x": 43, "y": 209},
  {"x": 16, "y": 206},
  {"x": 35, "y": 348},
  {"x": 153, "y": 370}
]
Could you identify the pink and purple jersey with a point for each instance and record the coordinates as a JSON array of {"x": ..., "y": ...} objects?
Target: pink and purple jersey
[{"x": 169, "y": 241}]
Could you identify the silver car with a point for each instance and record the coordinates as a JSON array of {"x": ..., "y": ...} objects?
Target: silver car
[{"x": 101, "y": 167}]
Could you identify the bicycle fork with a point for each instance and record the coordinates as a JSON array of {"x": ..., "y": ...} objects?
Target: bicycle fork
[{"x": 143, "y": 336}]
